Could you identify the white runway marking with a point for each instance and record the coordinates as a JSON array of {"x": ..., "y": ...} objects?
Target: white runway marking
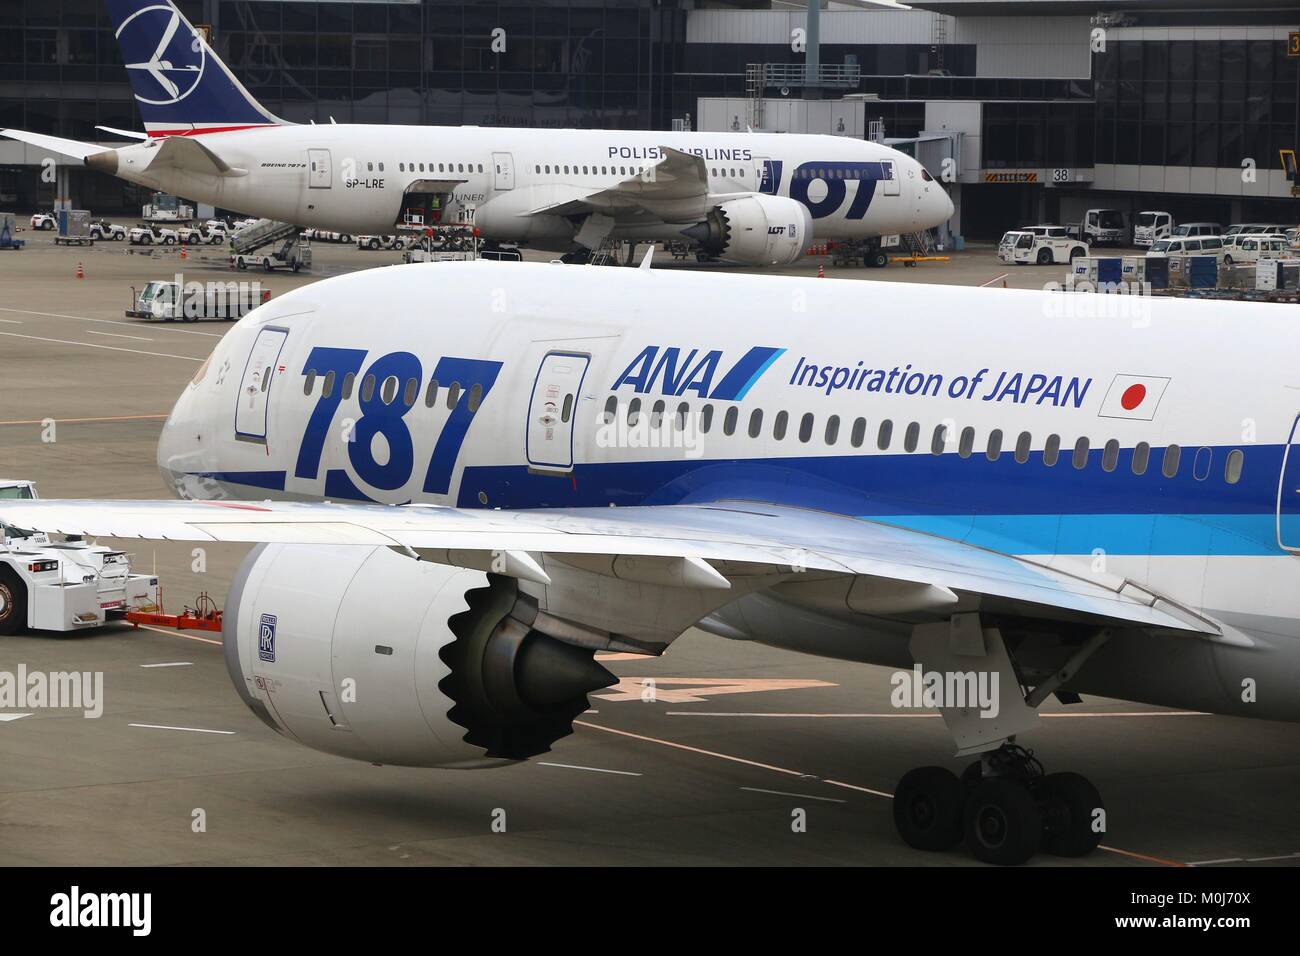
[
  {"x": 800, "y": 796},
  {"x": 192, "y": 730},
  {"x": 129, "y": 325},
  {"x": 569, "y": 766},
  {"x": 5, "y": 718},
  {"x": 111, "y": 348},
  {"x": 171, "y": 664},
  {"x": 178, "y": 633},
  {"x": 11, "y": 321},
  {"x": 929, "y": 714},
  {"x": 1248, "y": 859},
  {"x": 118, "y": 335}
]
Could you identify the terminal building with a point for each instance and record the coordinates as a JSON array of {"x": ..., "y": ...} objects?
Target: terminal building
[{"x": 1031, "y": 110}]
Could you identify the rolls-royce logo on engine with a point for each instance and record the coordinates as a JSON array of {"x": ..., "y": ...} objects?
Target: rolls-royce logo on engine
[{"x": 266, "y": 638}]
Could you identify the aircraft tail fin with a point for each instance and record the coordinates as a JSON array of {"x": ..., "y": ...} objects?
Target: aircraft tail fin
[{"x": 180, "y": 84}]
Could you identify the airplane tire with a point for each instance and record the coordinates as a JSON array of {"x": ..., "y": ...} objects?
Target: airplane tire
[
  {"x": 1002, "y": 822},
  {"x": 1069, "y": 803},
  {"x": 13, "y": 603},
  {"x": 928, "y": 808}
]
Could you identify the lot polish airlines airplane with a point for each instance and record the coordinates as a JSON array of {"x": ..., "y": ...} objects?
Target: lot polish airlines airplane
[
  {"x": 757, "y": 198},
  {"x": 455, "y": 513}
]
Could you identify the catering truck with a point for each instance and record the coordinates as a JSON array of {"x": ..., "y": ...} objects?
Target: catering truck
[{"x": 63, "y": 585}]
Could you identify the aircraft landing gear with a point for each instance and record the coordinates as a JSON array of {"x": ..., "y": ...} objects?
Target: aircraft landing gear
[{"x": 1004, "y": 806}]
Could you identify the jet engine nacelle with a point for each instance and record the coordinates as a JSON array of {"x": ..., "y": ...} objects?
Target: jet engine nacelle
[
  {"x": 365, "y": 653},
  {"x": 755, "y": 230}
]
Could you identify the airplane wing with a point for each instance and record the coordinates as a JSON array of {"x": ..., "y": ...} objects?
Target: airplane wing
[
  {"x": 677, "y": 177},
  {"x": 698, "y": 548}
]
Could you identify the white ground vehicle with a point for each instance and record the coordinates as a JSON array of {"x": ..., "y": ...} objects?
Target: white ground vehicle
[
  {"x": 163, "y": 300},
  {"x": 194, "y": 235},
  {"x": 1150, "y": 226},
  {"x": 1252, "y": 248},
  {"x": 1194, "y": 246},
  {"x": 107, "y": 231},
  {"x": 1102, "y": 226},
  {"x": 1040, "y": 245},
  {"x": 1186, "y": 229},
  {"x": 44, "y": 221},
  {"x": 51, "y": 585},
  {"x": 381, "y": 242},
  {"x": 163, "y": 207},
  {"x": 152, "y": 234},
  {"x": 325, "y": 235}
]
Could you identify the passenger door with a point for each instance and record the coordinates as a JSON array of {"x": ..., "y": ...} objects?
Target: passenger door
[
  {"x": 1288, "y": 493},
  {"x": 255, "y": 385},
  {"x": 552, "y": 410},
  {"x": 503, "y": 171},
  {"x": 318, "y": 169}
]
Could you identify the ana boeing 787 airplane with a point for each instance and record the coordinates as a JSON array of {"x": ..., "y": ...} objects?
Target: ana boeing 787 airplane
[
  {"x": 465, "y": 479},
  {"x": 759, "y": 198}
]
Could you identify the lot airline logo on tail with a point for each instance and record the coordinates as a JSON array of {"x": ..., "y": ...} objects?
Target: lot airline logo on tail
[
  {"x": 156, "y": 41},
  {"x": 675, "y": 371}
]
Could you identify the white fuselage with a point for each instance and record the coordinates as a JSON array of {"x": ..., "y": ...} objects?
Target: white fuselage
[
  {"x": 357, "y": 179},
  {"x": 992, "y": 417}
]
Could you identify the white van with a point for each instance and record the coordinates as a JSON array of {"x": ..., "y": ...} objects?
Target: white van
[
  {"x": 1252, "y": 248},
  {"x": 1191, "y": 246},
  {"x": 1197, "y": 229}
]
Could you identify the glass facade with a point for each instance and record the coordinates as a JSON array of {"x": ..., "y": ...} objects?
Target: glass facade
[
  {"x": 556, "y": 63},
  {"x": 1196, "y": 102}
]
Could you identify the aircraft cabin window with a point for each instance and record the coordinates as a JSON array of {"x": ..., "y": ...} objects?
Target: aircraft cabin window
[
  {"x": 633, "y": 411},
  {"x": 729, "y": 420},
  {"x": 656, "y": 415},
  {"x": 611, "y": 410},
  {"x": 453, "y": 394},
  {"x": 539, "y": 168},
  {"x": 1169, "y": 468},
  {"x": 1201, "y": 463},
  {"x": 431, "y": 393},
  {"x": 755, "y": 422},
  {"x": 475, "y": 397},
  {"x": 310, "y": 382},
  {"x": 266, "y": 378},
  {"x": 410, "y": 392},
  {"x": 1141, "y": 457},
  {"x": 806, "y": 426},
  {"x": 780, "y": 425},
  {"x": 367, "y": 388},
  {"x": 370, "y": 167},
  {"x": 1110, "y": 455},
  {"x": 994, "y": 449},
  {"x": 884, "y": 435},
  {"x": 832, "y": 429},
  {"x": 401, "y": 167},
  {"x": 912, "y": 437},
  {"x": 683, "y": 411},
  {"x": 939, "y": 440},
  {"x": 388, "y": 391},
  {"x": 348, "y": 381},
  {"x": 327, "y": 389},
  {"x": 1051, "y": 450},
  {"x": 1023, "y": 444},
  {"x": 859, "y": 433},
  {"x": 1232, "y": 468},
  {"x": 706, "y": 419},
  {"x": 480, "y": 167},
  {"x": 1080, "y": 459},
  {"x": 566, "y": 412},
  {"x": 566, "y": 169},
  {"x": 966, "y": 444}
]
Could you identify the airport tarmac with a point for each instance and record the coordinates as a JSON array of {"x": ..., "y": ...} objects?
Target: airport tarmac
[{"x": 738, "y": 738}]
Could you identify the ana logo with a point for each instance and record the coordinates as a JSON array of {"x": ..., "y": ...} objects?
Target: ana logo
[
  {"x": 152, "y": 41},
  {"x": 674, "y": 371},
  {"x": 266, "y": 638}
]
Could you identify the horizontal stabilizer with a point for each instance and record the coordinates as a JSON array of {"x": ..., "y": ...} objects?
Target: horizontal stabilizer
[
  {"x": 64, "y": 147},
  {"x": 182, "y": 152}
]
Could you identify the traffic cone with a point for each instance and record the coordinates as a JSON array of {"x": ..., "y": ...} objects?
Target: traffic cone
[
  {"x": 184, "y": 254},
  {"x": 81, "y": 272},
  {"x": 821, "y": 272}
]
